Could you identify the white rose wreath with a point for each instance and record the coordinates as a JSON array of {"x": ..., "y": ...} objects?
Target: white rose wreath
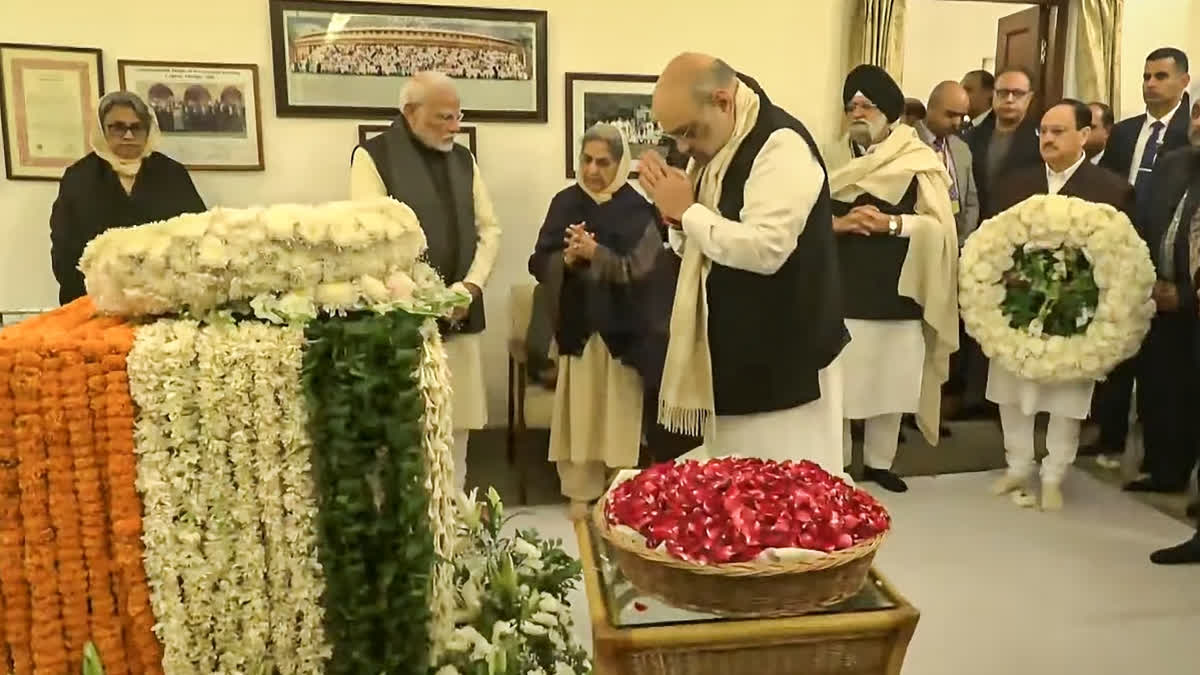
[{"x": 1019, "y": 264}]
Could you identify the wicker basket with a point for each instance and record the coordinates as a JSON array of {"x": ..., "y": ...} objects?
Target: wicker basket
[{"x": 750, "y": 589}]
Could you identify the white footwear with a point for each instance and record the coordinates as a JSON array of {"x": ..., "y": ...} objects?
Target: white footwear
[
  {"x": 1008, "y": 483},
  {"x": 1052, "y": 497}
]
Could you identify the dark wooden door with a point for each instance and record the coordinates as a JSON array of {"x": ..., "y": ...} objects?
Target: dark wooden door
[{"x": 1022, "y": 40}]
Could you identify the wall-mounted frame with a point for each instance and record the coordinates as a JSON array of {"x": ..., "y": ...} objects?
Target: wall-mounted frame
[
  {"x": 209, "y": 114},
  {"x": 48, "y": 100},
  {"x": 619, "y": 99},
  {"x": 350, "y": 59},
  {"x": 465, "y": 136}
]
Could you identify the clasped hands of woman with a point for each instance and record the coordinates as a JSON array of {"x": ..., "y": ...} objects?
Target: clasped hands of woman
[{"x": 579, "y": 244}]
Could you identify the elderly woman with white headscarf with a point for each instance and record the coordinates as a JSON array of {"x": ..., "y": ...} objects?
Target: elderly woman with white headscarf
[
  {"x": 596, "y": 254},
  {"x": 124, "y": 181}
]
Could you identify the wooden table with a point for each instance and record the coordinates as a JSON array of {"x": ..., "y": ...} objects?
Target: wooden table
[{"x": 635, "y": 634}]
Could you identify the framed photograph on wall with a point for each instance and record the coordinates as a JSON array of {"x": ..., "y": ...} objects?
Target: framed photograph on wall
[
  {"x": 209, "y": 113},
  {"x": 48, "y": 101},
  {"x": 465, "y": 136},
  {"x": 620, "y": 100},
  {"x": 350, "y": 59}
]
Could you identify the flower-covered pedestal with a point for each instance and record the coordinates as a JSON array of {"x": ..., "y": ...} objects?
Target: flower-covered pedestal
[
  {"x": 742, "y": 537},
  {"x": 234, "y": 457}
]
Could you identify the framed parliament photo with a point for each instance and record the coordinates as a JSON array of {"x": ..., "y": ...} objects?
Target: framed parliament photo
[
  {"x": 350, "y": 59},
  {"x": 208, "y": 113},
  {"x": 48, "y": 100},
  {"x": 620, "y": 100},
  {"x": 465, "y": 136}
]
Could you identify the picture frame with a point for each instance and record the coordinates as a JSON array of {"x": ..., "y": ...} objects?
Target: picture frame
[
  {"x": 210, "y": 114},
  {"x": 350, "y": 59},
  {"x": 465, "y": 137},
  {"x": 622, "y": 99},
  {"x": 48, "y": 100}
]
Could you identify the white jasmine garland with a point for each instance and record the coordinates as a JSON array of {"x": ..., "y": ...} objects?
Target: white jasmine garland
[
  {"x": 284, "y": 263},
  {"x": 223, "y": 467},
  {"x": 433, "y": 378},
  {"x": 1121, "y": 267}
]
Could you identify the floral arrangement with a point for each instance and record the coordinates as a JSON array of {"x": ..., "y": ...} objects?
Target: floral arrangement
[
  {"x": 512, "y": 616},
  {"x": 255, "y": 475},
  {"x": 1057, "y": 289},
  {"x": 70, "y": 517},
  {"x": 286, "y": 262},
  {"x": 737, "y": 509}
]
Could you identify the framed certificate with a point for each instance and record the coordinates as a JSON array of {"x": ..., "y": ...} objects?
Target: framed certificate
[
  {"x": 208, "y": 113},
  {"x": 48, "y": 99}
]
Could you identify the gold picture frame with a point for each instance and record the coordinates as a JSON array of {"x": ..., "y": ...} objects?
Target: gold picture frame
[{"x": 48, "y": 99}]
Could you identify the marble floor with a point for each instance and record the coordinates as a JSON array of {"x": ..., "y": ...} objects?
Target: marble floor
[{"x": 1005, "y": 590}]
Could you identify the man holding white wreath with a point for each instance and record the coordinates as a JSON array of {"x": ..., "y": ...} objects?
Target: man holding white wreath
[{"x": 1066, "y": 171}]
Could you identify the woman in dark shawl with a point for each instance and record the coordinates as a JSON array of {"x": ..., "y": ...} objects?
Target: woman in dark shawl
[
  {"x": 124, "y": 181},
  {"x": 598, "y": 248}
]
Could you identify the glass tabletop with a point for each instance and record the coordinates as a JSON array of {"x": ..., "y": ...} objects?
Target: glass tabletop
[{"x": 630, "y": 608}]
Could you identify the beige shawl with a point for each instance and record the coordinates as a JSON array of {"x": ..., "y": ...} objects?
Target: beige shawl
[
  {"x": 686, "y": 401},
  {"x": 930, "y": 271}
]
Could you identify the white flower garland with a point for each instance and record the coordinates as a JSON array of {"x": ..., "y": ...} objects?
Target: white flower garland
[
  {"x": 433, "y": 377},
  {"x": 1121, "y": 267},
  {"x": 224, "y": 474},
  {"x": 284, "y": 262}
]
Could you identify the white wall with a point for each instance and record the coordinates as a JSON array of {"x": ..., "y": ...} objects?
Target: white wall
[
  {"x": 795, "y": 49},
  {"x": 945, "y": 40},
  {"x": 1150, "y": 24}
]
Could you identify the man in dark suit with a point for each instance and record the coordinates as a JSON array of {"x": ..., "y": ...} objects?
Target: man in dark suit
[
  {"x": 1066, "y": 171},
  {"x": 1007, "y": 139},
  {"x": 981, "y": 87},
  {"x": 1132, "y": 149},
  {"x": 1174, "y": 219},
  {"x": 1168, "y": 390}
]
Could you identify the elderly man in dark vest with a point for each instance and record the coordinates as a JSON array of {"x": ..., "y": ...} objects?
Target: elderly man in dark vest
[
  {"x": 756, "y": 324},
  {"x": 897, "y": 244},
  {"x": 417, "y": 162}
]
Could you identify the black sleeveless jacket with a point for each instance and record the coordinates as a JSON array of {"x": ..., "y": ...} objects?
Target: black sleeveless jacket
[
  {"x": 770, "y": 334},
  {"x": 871, "y": 265}
]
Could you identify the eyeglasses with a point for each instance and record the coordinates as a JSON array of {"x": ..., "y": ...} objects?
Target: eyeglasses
[
  {"x": 120, "y": 129},
  {"x": 688, "y": 133},
  {"x": 1005, "y": 94},
  {"x": 447, "y": 118},
  {"x": 865, "y": 107}
]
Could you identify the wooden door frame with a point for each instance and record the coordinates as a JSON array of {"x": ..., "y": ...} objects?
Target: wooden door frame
[{"x": 1054, "y": 68}]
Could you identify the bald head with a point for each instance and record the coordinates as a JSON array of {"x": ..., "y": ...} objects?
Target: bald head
[
  {"x": 693, "y": 102},
  {"x": 429, "y": 102},
  {"x": 949, "y": 103}
]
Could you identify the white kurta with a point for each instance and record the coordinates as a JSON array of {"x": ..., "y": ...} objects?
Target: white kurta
[
  {"x": 882, "y": 367},
  {"x": 464, "y": 354},
  {"x": 1070, "y": 399},
  {"x": 784, "y": 184}
]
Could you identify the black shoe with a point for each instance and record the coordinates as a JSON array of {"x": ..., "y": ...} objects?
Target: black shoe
[
  {"x": 1193, "y": 510},
  {"x": 1094, "y": 449},
  {"x": 1151, "y": 485},
  {"x": 885, "y": 479},
  {"x": 1186, "y": 553}
]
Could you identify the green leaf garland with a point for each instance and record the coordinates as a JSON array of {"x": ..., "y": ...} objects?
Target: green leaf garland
[{"x": 376, "y": 544}]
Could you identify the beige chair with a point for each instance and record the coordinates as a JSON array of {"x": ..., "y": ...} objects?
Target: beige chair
[{"x": 530, "y": 405}]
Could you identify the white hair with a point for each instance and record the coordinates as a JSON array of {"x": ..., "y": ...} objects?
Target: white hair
[{"x": 416, "y": 90}]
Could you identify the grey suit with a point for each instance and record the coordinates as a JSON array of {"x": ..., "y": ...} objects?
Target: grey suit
[{"x": 967, "y": 218}]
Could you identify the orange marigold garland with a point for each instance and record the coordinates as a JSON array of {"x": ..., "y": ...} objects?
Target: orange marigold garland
[{"x": 16, "y": 618}]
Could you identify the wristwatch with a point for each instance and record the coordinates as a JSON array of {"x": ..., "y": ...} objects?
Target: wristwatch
[{"x": 894, "y": 225}]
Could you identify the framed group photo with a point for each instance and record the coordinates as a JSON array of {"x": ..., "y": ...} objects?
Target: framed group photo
[
  {"x": 209, "y": 113},
  {"x": 350, "y": 59},
  {"x": 465, "y": 136},
  {"x": 48, "y": 101},
  {"x": 620, "y": 100}
]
